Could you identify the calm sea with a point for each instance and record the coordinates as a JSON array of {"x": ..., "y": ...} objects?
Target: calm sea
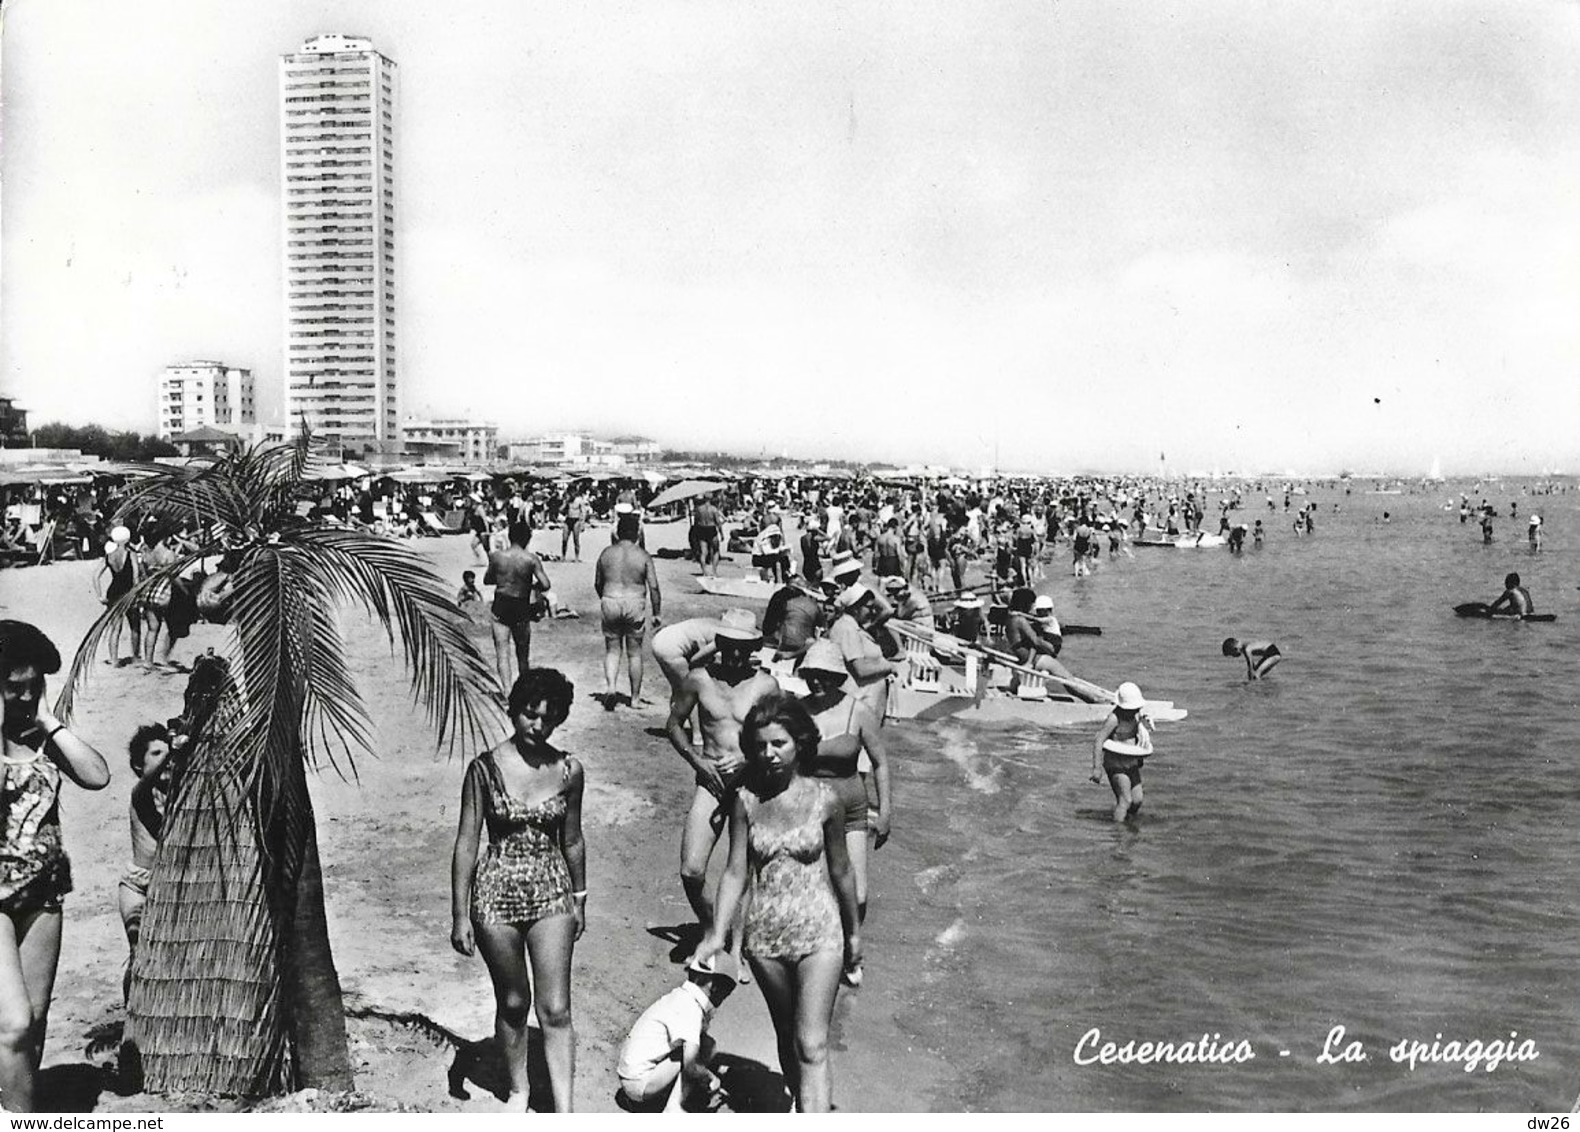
[{"x": 1381, "y": 836}]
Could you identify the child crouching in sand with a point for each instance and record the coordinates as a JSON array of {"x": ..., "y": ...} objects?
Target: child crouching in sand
[
  {"x": 1122, "y": 744},
  {"x": 668, "y": 1048}
]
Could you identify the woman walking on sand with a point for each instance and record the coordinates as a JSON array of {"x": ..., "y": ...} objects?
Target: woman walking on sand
[
  {"x": 34, "y": 872},
  {"x": 787, "y": 839},
  {"x": 525, "y": 901}
]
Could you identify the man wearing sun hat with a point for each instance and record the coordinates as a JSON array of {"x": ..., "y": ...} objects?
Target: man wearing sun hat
[{"x": 721, "y": 692}]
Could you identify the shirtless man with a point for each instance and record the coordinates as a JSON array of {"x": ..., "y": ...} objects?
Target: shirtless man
[
  {"x": 626, "y": 578},
  {"x": 575, "y": 524},
  {"x": 722, "y": 692},
  {"x": 517, "y": 576},
  {"x": 707, "y": 527},
  {"x": 1260, "y": 656},
  {"x": 1516, "y": 599}
]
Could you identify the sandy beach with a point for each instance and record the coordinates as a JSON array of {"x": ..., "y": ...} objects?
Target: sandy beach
[{"x": 420, "y": 1013}]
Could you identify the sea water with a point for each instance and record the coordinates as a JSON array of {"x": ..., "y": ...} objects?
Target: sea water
[{"x": 1380, "y": 836}]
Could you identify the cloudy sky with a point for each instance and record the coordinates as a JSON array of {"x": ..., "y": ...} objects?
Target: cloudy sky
[{"x": 1074, "y": 234}]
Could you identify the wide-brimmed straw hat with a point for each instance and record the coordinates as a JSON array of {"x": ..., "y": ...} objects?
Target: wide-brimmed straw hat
[
  {"x": 894, "y": 583},
  {"x": 1129, "y": 697},
  {"x": 968, "y": 601}
]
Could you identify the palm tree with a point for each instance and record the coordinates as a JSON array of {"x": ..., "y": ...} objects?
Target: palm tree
[{"x": 234, "y": 988}]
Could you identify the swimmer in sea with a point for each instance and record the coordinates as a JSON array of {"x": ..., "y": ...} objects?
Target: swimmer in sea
[
  {"x": 1516, "y": 599},
  {"x": 1260, "y": 656},
  {"x": 1122, "y": 744}
]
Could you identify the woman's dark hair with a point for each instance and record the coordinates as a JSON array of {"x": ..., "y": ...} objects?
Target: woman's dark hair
[
  {"x": 547, "y": 686},
  {"x": 1021, "y": 599},
  {"x": 137, "y": 749},
  {"x": 788, "y": 712},
  {"x": 25, "y": 646}
]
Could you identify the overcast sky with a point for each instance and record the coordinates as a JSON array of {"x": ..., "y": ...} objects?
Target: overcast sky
[{"x": 1303, "y": 235}]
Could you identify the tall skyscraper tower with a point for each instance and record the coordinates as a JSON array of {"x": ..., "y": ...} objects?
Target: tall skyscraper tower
[{"x": 337, "y": 164}]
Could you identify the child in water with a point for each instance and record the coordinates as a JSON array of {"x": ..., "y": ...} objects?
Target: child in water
[
  {"x": 1260, "y": 656},
  {"x": 1122, "y": 744}
]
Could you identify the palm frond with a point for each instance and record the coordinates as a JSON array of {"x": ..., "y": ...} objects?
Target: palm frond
[{"x": 449, "y": 676}]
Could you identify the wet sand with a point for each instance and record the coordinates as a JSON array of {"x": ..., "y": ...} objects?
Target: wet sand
[{"x": 385, "y": 841}]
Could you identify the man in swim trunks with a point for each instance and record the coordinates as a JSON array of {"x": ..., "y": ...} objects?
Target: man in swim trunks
[
  {"x": 721, "y": 692},
  {"x": 626, "y": 578},
  {"x": 888, "y": 551},
  {"x": 575, "y": 524},
  {"x": 1516, "y": 599},
  {"x": 1260, "y": 656},
  {"x": 707, "y": 528},
  {"x": 519, "y": 579}
]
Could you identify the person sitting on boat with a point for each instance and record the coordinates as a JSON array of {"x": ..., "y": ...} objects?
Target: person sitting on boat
[
  {"x": 1260, "y": 656},
  {"x": 909, "y": 605},
  {"x": 1122, "y": 743},
  {"x": 1516, "y": 599},
  {"x": 966, "y": 621}
]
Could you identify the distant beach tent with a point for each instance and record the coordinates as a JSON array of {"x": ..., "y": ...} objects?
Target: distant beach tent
[{"x": 685, "y": 489}]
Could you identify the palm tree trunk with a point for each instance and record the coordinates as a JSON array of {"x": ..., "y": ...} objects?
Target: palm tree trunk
[{"x": 314, "y": 1011}]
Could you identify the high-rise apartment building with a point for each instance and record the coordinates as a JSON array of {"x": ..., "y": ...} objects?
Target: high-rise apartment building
[
  {"x": 198, "y": 393},
  {"x": 337, "y": 158}
]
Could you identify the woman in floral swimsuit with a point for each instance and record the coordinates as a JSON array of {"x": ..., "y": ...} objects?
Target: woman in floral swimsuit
[
  {"x": 34, "y": 872},
  {"x": 525, "y": 901},
  {"x": 787, "y": 831}
]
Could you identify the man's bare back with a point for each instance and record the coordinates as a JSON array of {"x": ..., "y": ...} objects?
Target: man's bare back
[
  {"x": 513, "y": 571},
  {"x": 624, "y": 570}
]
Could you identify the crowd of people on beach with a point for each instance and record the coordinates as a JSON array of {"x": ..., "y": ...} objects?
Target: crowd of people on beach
[{"x": 780, "y": 721}]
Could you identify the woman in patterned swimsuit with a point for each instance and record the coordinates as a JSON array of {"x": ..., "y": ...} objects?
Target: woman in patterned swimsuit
[
  {"x": 525, "y": 901},
  {"x": 788, "y": 832},
  {"x": 36, "y": 749}
]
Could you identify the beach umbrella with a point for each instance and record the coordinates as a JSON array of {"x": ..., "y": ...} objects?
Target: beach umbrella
[{"x": 685, "y": 489}]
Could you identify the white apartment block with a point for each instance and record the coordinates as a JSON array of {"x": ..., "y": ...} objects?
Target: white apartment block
[
  {"x": 573, "y": 448},
  {"x": 198, "y": 393},
  {"x": 337, "y": 174},
  {"x": 471, "y": 443}
]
